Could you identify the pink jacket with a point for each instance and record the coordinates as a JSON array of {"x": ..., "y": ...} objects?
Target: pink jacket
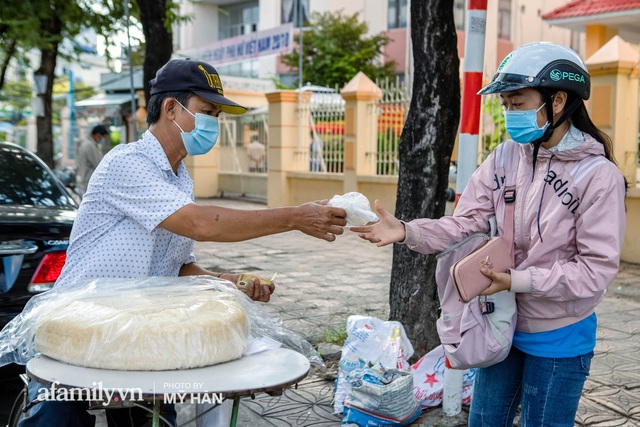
[{"x": 569, "y": 227}]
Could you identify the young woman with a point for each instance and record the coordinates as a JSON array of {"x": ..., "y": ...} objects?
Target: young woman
[{"x": 569, "y": 228}]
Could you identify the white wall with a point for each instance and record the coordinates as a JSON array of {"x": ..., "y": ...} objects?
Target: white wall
[
  {"x": 202, "y": 29},
  {"x": 375, "y": 14},
  {"x": 269, "y": 18},
  {"x": 524, "y": 13}
]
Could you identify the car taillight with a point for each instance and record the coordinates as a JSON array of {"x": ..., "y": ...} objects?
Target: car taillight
[{"x": 48, "y": 271}]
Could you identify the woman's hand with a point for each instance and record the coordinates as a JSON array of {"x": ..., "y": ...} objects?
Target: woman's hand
[
  {"x": 388, "y": 230},
  {"x": 499, "y": 281}
]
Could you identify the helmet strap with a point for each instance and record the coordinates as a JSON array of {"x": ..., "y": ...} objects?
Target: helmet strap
[{"x": 552, "y": 126}]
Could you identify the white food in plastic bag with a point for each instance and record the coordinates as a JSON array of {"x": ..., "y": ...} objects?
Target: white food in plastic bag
[
  {"x": 188, "y": 295},
  {"x": 357, "y": 206},
  {"x": 145, "y": 331}
]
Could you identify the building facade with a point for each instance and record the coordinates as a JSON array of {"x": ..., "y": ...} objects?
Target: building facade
[{"x": 510, "y": 23}]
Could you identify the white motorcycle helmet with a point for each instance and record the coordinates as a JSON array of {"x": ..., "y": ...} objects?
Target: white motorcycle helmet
[
  {"x": 541, "y": 65},
  {"x": 548, "y": 68}
]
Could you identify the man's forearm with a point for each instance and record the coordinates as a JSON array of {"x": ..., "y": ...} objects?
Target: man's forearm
[
  {"x": 217, "y": 224},
  {"x": 194, "y": 269}
]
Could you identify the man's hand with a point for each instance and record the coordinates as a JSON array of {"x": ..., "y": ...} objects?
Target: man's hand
[
  {"x": 255, "y": 287},
  {"x": 319, "y": 220},
  {"x": 500, "y": 281},
  {"x": 388, "y": 230}
]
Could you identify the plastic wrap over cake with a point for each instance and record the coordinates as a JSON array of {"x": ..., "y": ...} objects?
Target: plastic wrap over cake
[{"x": 157, "y": 323}]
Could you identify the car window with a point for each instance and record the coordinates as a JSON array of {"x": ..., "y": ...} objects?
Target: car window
[{"x": 23, "y": 181}]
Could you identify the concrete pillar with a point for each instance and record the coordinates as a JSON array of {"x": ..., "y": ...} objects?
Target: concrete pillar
[
  {"x": 65, "y": 136},
  {"x": 203, "y": 170},
  {"x": 360, "y": 129},
  {"x": 288, "y": 148},
  {"x": 597, "y": 36},
  {"x": 613, "y": 106},
  {"x": 32, "y": 134}
]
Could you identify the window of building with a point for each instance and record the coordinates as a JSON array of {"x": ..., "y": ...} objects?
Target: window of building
[
  {"x": 289, "y": 11},
  {"x": 504, "y": 19},
  {"x": 238, "y": 19},
  {"x": 458, "y": 14},
  {"x": 248, "y": 68},
  {"x": 397, "y": 17}
]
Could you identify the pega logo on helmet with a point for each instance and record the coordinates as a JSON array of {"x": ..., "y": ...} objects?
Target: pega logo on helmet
[
  {"x": 504, "y": 61},
  {"x": 557, "y": 75}
]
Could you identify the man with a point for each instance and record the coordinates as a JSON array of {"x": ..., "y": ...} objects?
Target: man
[
  {"x": 257, "y": 154},
  {"x": 138, "y": 217},
  {"x": 89, "y": 155}
]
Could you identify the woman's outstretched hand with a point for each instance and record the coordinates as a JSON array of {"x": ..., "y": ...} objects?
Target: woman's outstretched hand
[{"x": 388, "y": 230}]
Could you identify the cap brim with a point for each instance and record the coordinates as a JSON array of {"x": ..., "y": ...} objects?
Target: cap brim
[
  {"x": 501, "y": 86},
  {"x": 228, "y": 106}
]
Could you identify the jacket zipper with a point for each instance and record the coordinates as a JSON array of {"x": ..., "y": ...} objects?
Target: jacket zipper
[{"x": 519, "y": 213}]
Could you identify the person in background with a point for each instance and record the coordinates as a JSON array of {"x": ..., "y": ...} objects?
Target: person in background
[
  {"x": 569, "y": 228},
  {"x": 139, "y": 218},
  {"x": 89, "y": 155},
  {"x": 257, "y": 154},
  {"x": 315, "y": 153}
]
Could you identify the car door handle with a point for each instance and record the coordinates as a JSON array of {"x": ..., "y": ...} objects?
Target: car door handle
[{"x": 17, "y": 248}]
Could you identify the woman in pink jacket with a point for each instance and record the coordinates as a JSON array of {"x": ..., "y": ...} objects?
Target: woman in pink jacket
[{"x": 569, "y": 227}]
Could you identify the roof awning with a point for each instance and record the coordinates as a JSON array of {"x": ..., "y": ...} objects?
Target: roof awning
[
  {"x": 621, "y": 15},
  {"x": 105, "y": 99},
  {"x": 106, "y": 105}
]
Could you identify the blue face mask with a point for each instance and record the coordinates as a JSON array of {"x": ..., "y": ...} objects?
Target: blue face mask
[
  {"x": 203, "y": 137},
  {"x": 523, "y": 125}
]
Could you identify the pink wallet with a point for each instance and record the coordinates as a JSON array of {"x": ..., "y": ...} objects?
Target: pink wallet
[{"x": 494, "y": 254}]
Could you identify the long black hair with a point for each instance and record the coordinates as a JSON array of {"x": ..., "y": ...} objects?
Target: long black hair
[{"x": 579, "y": 118}]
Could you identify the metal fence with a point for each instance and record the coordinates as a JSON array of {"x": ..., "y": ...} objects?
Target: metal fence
[
  {"x": 391, "y": 110},
  {"x": 243, "y": 142},
  {"x": 326, "y": 132}
]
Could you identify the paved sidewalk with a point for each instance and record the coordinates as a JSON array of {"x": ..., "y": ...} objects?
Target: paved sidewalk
[{"x": 320, "y": 284}]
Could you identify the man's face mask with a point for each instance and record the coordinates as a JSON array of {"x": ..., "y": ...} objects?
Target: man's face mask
[
  {"x": 203, "y": 137},
  {"x": 523, "y": 125}
]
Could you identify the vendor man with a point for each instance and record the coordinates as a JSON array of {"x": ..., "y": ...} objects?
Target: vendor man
[{"x": 138, "y": 217}]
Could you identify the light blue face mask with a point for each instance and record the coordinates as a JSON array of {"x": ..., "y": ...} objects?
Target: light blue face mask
[
  {"x": 203, "y": 137},
  {"x": 523, "y": 125}
]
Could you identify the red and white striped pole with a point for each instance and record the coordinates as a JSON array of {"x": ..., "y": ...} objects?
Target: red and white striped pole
[{"x": 475, "y": 29}]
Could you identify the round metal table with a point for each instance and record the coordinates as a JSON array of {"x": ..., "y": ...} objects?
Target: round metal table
[{"x": 268, "y": 371}]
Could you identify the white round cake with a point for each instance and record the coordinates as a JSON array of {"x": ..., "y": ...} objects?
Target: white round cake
[{"x": 146, "y": 332}]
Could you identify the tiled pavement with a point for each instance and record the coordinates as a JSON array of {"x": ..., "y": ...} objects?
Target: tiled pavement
[{"x": 320, "y": 284}]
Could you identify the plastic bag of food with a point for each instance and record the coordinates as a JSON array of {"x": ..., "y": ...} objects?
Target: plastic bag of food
[
  {"x": 357, "y": 206},
  {"x": 380, "y": 397},
  {"x": 374, "y": 341},
  {"x": 153, "y": 323},
  {"x": 428, "y": 379}
]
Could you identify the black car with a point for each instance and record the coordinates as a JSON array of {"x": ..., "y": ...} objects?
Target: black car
[{"x": 36, "y": 216}]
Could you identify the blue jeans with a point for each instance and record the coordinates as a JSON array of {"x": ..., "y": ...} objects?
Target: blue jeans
[
  {"x": 552, "y": 390},
  {"x": 74, "y": 414}
]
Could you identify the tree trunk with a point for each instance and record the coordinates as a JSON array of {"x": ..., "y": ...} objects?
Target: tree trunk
[
  {"x": 52, "y": 27},
  {"x": 425, "y": 152},
  {"x": 9, "y": 51},
  {"x": 159, "y": 40}
]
